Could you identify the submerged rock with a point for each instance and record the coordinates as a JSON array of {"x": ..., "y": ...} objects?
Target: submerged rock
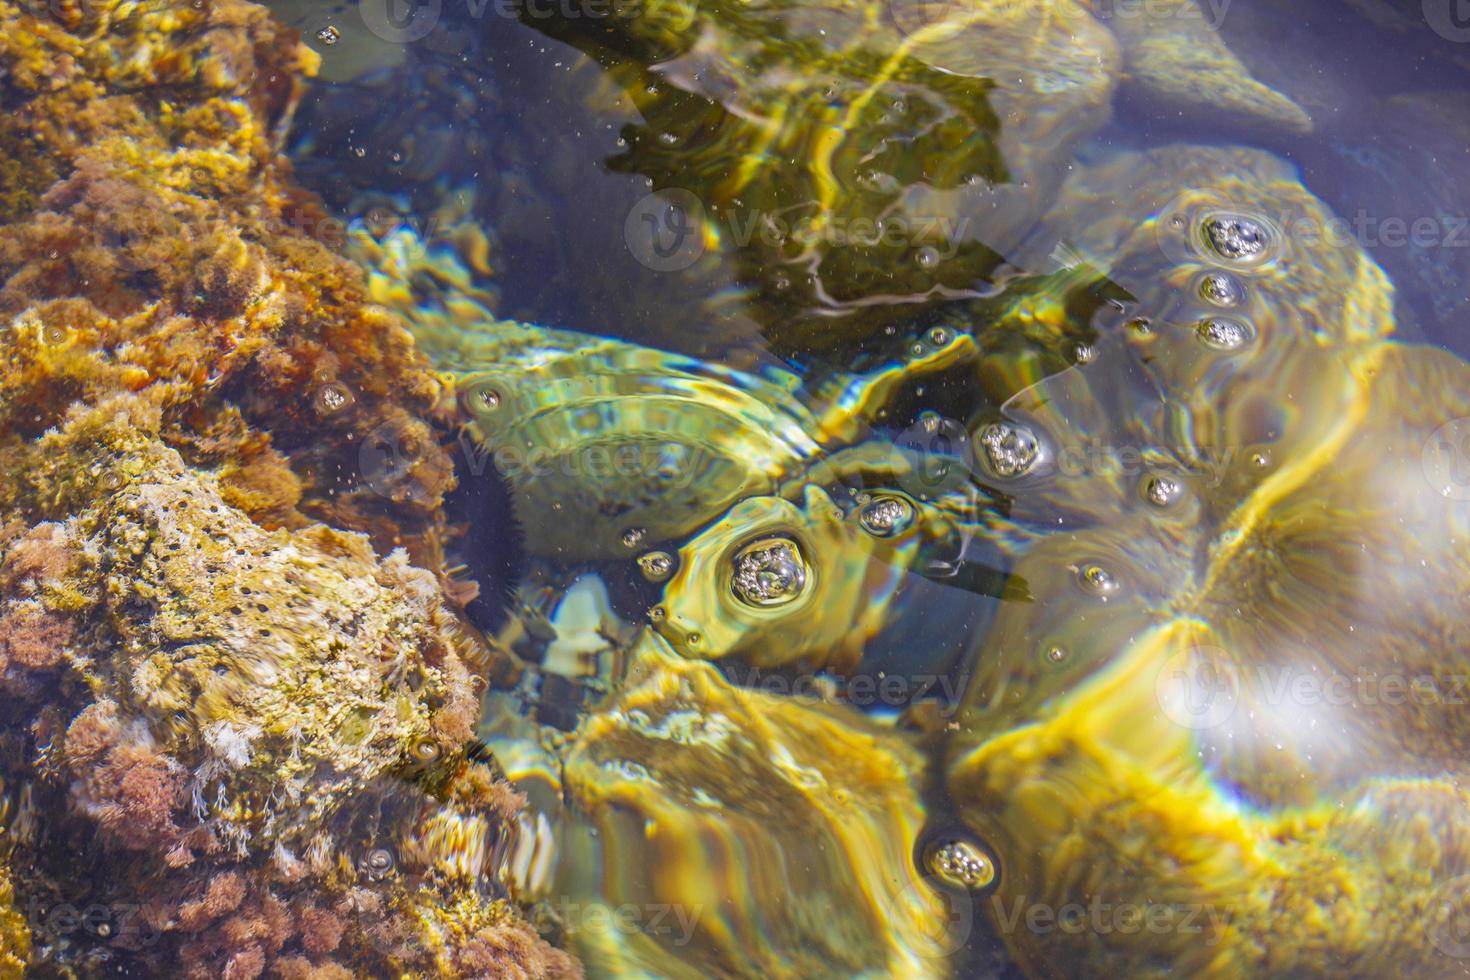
[
  {"x": 1207, "y": 704},
  {"x": 1175, "y": 59},
  {"x": 774, "y": 833}
]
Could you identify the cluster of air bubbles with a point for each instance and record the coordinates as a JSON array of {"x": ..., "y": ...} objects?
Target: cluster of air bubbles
[
  {"x": 332, "y": 398},
  {"x": 656, "y": 566},
  {"x": 1009, "y": 450},
  {"x": 886, "y": 516},
  {"x": 1221, "y": 289},
  {"x": 769, "y": 572},
  {"x": 1236, "y": 237},
  {"x": 960, "y": 863},
  {"x": 633, "y": 537},
  {"x": 1223, "y": 333},
  {"x": 1097, "y": 580},
  {"x": 1161, "y": 491},
  {"x": 329, "y": 35}
]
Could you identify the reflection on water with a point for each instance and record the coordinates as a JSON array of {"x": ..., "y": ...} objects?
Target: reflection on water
[{"x": 989, "y": 502}]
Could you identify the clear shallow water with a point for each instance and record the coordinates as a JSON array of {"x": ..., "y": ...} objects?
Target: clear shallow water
[{"x": 1153, "y": 401}]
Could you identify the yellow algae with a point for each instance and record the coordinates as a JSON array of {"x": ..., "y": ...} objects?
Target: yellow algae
[{"x": 15, "y": 938}]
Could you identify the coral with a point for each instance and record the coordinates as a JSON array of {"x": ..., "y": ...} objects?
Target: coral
[{"x": 238, "y": 700}]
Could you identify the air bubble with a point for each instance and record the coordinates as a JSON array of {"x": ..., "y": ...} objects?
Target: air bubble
[
  {"x": 425, "y": 750},
  {"x": 960, "y": 864},
  {"x": 769, "y": 572},
  {"x": 927, "y": 257},
  {"x": 1010, "y": 450},
  {"x": 329, "y": 35},
  {"x": 633, "y": 537},
  {"x": 1161, "y": 491},
  {"x": 940, "y": 336},
  {"x": 1221, "y": 289},
  {"x": 656, "y": 566},
  {"x": 886, "y": 516},
  {"x": 482, "y": 399},
  {"x": 1056, "y": 654},
  {"x": 378, "y": 862},
  {"x": 1097, "y": 580},
  {"x": 1223, "y": 333},
  {"x": 1236, "y": 237},
  {"x": 1085, "y": 353}
]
